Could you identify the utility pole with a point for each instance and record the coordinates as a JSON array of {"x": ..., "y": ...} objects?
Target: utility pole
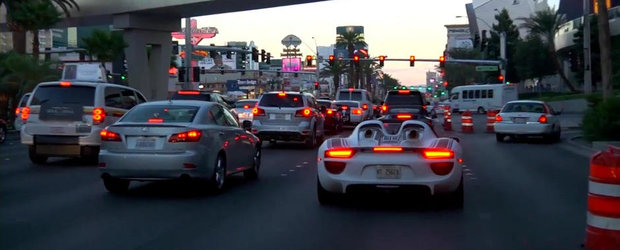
[
  {"x": 187, "y": 64},
  {"x": 587, "y": 71},
  {"x": 502, "y": 52}
]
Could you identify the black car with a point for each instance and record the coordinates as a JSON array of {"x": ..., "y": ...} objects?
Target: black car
[
  {"x": 3, "y": 129},
  {"x": 207, "y": 96},
  {"x": 333, "y": 118},
  {"x": 404, "y": 104}
]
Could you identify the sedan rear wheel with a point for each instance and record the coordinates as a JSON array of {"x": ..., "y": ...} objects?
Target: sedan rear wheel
[
  {"x": 218, "y": 180},
  {"x": 252, "y": 174},
  {"x": 116, "y": 186}
]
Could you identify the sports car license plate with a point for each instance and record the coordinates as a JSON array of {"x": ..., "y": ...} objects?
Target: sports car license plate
[
  {"x": 388, "y": 172},
  {"x": 391, "y": 138},
  {"x": 145, "y": 143}
]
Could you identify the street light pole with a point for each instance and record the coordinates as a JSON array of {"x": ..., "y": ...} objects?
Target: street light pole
[
  {"x": 188, "y": 52},
  {"x": 318, "y": 90},
  {"x": 587, "y": 69}
]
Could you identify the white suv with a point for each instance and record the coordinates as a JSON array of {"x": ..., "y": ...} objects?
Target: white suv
[
  {"x": 358, "y": 95},
  {"x": 64, "y": 118}
]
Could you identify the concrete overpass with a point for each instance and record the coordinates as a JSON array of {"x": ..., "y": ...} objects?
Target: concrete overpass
[{"x": 150, "y": 22}]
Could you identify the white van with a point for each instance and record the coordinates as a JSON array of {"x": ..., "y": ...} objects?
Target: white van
[{"x": 481, "y": 98}]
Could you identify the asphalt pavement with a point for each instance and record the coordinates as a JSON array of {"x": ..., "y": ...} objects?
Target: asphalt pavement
[{"x": 525, "y": 194}]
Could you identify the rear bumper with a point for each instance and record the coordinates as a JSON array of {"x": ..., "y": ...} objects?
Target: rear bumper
[
  {"x": 523, "y": 129},
  {"x": 90, "y": 139},
  {"x": 154, "y": 166},
  {"x": 281, "y": 132}
]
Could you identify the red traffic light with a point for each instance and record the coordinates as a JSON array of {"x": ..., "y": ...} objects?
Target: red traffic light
[
  {"x": 442, "y": 59},
  {"x": 356, "y": 58},
  {"x": 308, "y": 57},
  {"x": 411, "y": 61},
  {"x": 445, "y": 83},
  {"x": 381, "y": 58},
  {"x": 500, "y": 78},
  {"x": 309, "y": 60},
  {"x": 332, "y": 57},
  {"x": 316, "y": 84},
  {"x": 442, "y": 62}
]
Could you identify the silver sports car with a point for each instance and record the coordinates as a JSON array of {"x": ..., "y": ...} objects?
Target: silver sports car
[
  {"x": 411, "y": 158},
  {"x": 177, "y": 139}
]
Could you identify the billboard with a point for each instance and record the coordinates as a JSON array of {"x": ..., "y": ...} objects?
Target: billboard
[
  {"x": 219, "y": 62},
  {"x": 291, "y": 64}
]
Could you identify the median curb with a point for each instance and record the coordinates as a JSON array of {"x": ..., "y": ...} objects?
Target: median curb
[{"x": 583, "y": 146}]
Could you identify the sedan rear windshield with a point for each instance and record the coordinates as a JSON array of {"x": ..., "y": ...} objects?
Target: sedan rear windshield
[
  {"x": 529, "y": 107},
  {"x": 161, "y": 114},
  {"x": 350, "y": 95},
  {"x": 413, "y": 98},
  {"x": 241, "y": 104},
  {"x": 56, "y": 94},
  {"x": 278, "y": 100},
  {"x": 195, "y": 97}
]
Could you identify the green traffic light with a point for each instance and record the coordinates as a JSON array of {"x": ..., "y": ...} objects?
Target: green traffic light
[
  {"x": 123, "y": 77},
  {"x": 435, "y": 95},
  {"x": 404, "y": 87},
  {"x": 395, "y": 87},
  {"x": 507, "y": 83}
]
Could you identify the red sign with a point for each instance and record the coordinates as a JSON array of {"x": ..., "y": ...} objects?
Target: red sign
[{"x": 197, "y": 34}]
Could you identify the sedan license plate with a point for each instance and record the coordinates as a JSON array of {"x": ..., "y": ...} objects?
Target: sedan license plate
[
  {"x": 520, "y": 120},
  {"x": 388, "y": 172},
  {"x": 145, "y": 143}
]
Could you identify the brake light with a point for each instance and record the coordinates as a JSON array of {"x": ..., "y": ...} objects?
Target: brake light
[
  {"x": 498, "y": 118},
  {"x": 98, "y": 115},
  {"x": 442, "y": 168},
  {"x": 342, "y": 153},
  {"x": 387, "y": 149},
  {"x": 404, "y": 91},
  {"x": 16, "y": 111},
  {"x": 246, "y": 106},
  {"x": 335, "y": 167},
  {"x": 374, "y": 107},
  {"x": 435, "y": 154},
  {"x": 25, "y": 113},
  {"x": 365, "y": 106},
  {"x": 329, "y": 111},
  {"x": 282, "y": 94},
  {"x": 303, "y": 112},
  {"x": 107, "y": 135},
  {"x": 258, "y": 111},
  {"x": 424, "y": 107},
  {"x": 542, "y": 119},
  {"x": 156, "y": 120},
  {"x": 188, "y": 92},
  {"x": 404, "y": 116},
  {"x": 357, "y": 111},
  {"x": 384, "y": 108},
  {"x": 350, "y": 89},
  {"x": 65, "y": 84},
  {"x": 345, "y": 107},
  {"x": 188, "y": 136}
]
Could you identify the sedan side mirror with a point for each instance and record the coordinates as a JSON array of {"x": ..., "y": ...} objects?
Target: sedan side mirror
[{"x": 247, "y": 125}]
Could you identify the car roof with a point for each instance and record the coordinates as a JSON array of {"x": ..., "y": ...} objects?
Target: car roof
[
  {"x": 247, "y": 100},
  {"x": 81, "y": 83},
  {"x": 180, "y": 103},
  {"x": 526, "y": 101}
]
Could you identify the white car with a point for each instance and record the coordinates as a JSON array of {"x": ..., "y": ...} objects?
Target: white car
[
  {"x": 527, "y": 118},
  {"x": 412, "y": 158}
]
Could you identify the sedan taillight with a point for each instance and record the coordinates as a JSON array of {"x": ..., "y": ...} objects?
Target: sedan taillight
[
  {"x": 542, "y": 119},
  {"x": 107, "y": 135},
  {"x": 188, "y": 136},
  {"x": 498, "y": 118},
  {"x": 256, "y": 111}
]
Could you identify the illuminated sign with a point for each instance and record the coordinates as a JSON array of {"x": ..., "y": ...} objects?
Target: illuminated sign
[{"x": 291, "y": 64}]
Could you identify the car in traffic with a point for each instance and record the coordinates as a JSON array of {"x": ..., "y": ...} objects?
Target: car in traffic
[
  {"x": 17, "y": 123},
  {"x": 527, "y": 118},
  {"x": 372, "y": 159},
  {"x": 243, "y": 109},
  {"x": 333, "y": 118},
  {"x": 359, "y": 95},
  {"x": 190, "y": 140},
  {"x": 207, "y": 96},
  {"x": 288, "y": 116},
  {"x": 64, "y": 118},
  {"x": 3, "y": 130},
  {"x": 352, "y": 111}
]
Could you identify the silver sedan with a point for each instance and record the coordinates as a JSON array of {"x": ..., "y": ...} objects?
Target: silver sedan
[
  {"x": 177, "y": 139},
  {"x": 527, "y": 118}
]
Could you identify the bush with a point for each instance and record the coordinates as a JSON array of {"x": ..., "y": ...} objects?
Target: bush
[{"x": 602, "y": 123}]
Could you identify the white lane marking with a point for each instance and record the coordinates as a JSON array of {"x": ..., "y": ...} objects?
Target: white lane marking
[
  {"x": 305, "y": 162},
  {"x": 283, "y": 174},
  {"x": 466, "y": 170},
  {"x": 473, "y": 178},
  {"x": 291, "y": 170},
  {"x": 299, "y": 166},
  {"x": 468, "y": 174},
  {"x": 7, "y": 159}
]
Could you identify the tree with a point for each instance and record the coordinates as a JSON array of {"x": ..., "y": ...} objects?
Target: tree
[
  {"x": 389, "y": 82},
  {"x": 532, "y": 58},
  {"x": 106, "y": 46},
  {"x": 368, "y": 70},
  {"x": 505, "y": 24},
  {"x": 545, "y": 23},
  {"x": 604, "y": 38},
  {"x": 335, "y": 71},
  {"x": 24, "y": 72},
  {"x": 33, "y": 15},
  {"x": 351, "y": 40},
  {"x": 18, "y": 33},
  {"x": 462, "y": 74}
]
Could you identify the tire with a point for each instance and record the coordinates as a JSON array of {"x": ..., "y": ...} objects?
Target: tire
[
  {"x": 116, "y": 186},
  {"x": 218, "y": 180},
  {"x": 312, "y": 139},
  {"x": 557, "y": 135},
  {"x": 325, "y": 197},
  {"x": 252, "y": 174},
  {"x": 34, "y": 157},
  {"x": 499, "y": 137},
  {"x": 2, "y": 134},
  {"x": 93, "y": 158},
  {"x": 481, "y": 110}
]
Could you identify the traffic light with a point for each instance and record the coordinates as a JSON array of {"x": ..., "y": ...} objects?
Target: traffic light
[
  {"x": 356, "y": 60},
  {"x": 332, "y": 58},
  {"x": 268, "y": 58},
  {"x": 442, "y": 62},
  {"x": 445, "y": 83},
  {"x": 123, "y": 77},
  {"x": 316, "y": 85},
  {"x": 262, "y": 55},
  {"x": 500, "y": 78},
  {"x": 309, "y": 60},
  {"x": 254, "y": 54},
  {"x": 381, "y": 60},
  {"x": 411, "y": 61}
]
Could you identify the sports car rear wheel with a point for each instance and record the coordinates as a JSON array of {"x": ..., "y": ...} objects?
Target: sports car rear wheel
[
  {"x": 457, "y": 198},
  {"x": 325, "y": 197}
]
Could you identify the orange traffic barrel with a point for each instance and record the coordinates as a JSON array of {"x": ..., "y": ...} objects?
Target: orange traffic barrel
[
  {"x": 447, "y": 118},
  {"x": 603, "y": 217},
  {"x": 467, "y": 122},
  {"x": 491, "y": 120}
]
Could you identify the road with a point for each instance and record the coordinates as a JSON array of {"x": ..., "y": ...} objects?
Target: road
[{"x": 518, "y": 195}]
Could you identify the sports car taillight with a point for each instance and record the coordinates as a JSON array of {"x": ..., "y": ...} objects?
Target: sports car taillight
[
  {"x": 436, "y": 154},
  {"x": 335, "y": 167},
  {"x": 442, "y": 168},
  {"x": 188, "y": 136},
  {"x": 342, "y": 153},
  {"x": 107, "y": 135},
  {"x": 387, "y": 149},
  {"x": 256, "y": 111}
]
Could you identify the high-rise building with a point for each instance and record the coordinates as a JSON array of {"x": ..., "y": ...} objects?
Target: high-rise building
[{"x": 485, "y": 11}]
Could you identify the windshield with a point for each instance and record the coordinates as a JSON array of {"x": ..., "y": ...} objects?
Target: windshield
[
  {"x": 524, "y": 107},
  {"x": 282, "y": 101},
  {"x": 350, "y": 95},
  {"x": 55, "y": 94},
  {"x": 414, "y": 98},
  {"x": 161, "y": 114}
]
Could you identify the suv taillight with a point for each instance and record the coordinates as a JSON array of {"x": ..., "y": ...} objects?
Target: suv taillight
[
  {"x": 256, "y": 111},
  {"x": 188, "y": 136},
  {"x": 25, "y": 113},
  {"x": 365, "y": 106},
  {"x": 304, "y": 112},
  {"x": 357, "y": 111},
  {"x": 98, "y": 115},
  {"x": 16, "y": 112},
  {"x": 384, "y": 108}
]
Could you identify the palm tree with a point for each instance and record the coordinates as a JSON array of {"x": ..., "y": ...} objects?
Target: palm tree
[
  {"x": 604, "y": 39},
  {"x": 33, "y": 16},
  {"x": 19, "y": 33},
  {"x": 545, "y": 23},
  {"x": 106, "y": 46},
  {"x": 25, "y": 72},
  {"x": 335, "y": 71},
  {"x": 351, "y": 40},
  {"x": 368, "y": 70}
]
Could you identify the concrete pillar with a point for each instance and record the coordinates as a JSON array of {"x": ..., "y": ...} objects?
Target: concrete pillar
[{"x": 149, "y": 74}]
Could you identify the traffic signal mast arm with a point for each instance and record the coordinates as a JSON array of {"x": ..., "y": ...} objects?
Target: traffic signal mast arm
[{"x": 490, "y": 62}]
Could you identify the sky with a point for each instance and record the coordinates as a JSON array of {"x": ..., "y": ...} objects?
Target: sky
[{"x": 395, "y": 28}]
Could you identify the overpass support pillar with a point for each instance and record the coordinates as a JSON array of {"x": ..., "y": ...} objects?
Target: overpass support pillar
[{"x": 148, "y": 51}]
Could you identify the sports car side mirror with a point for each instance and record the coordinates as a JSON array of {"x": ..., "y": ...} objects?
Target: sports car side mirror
[{"x": 247, "y": 125}]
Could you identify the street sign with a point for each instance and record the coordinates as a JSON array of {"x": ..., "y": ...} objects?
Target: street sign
[{"x": 487, "y": 68}]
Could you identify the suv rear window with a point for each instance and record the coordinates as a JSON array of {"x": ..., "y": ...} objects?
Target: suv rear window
[
  {"x": 196, "y": 97},
  {"x": 350, "y": 95},
  {"x": 409, "y": 98},
  {"x": 530, "y": 107},
  {"x": 55, "y": 94},
  {"x": 161, "y": 114},
  {"x": 278, "y": 100},
  {"x": 348, "y": 104}
]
